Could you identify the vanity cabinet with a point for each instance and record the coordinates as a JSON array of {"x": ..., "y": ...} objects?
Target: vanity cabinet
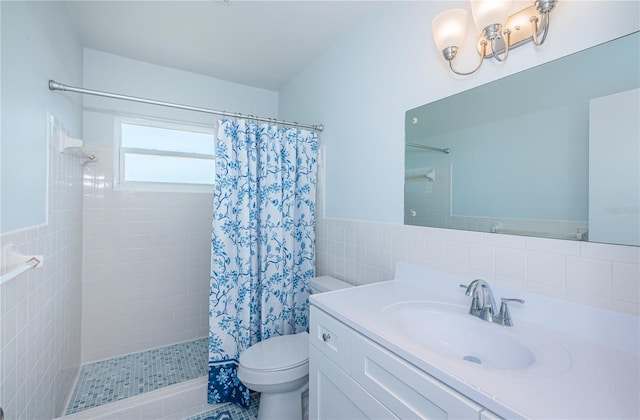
[{"x": 351, "y": 377}]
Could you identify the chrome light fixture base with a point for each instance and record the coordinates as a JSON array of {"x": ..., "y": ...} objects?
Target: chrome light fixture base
[
  {"x": 450, "y": 53},
  {"x": 492, "y": 32},
  {"x": 545, "y": 6},
  {"x": 523, "y": 27}
]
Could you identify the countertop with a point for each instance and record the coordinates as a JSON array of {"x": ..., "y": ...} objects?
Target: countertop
[{"x": 593, "y": 370}]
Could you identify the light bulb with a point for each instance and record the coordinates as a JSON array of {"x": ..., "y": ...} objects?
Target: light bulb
[
  {"x": 449, "y": 28},
  {"x": 490, "y": 12}
]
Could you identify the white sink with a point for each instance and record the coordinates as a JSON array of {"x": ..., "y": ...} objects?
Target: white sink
[
  {"x": 450, "y": 330},
  {"x": 560, "y": 359}
]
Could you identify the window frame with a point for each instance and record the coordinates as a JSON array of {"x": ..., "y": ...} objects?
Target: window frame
[{"x": 119, "y": 182}]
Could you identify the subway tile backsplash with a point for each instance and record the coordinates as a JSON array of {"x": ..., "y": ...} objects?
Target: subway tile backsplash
[{"x": 606, "y": 276}]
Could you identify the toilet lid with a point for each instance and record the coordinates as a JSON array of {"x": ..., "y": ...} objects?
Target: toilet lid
[{"x": 277, "y": 353}]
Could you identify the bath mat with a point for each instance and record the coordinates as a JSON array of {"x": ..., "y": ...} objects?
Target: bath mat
[{"x": 220, "y": 416}]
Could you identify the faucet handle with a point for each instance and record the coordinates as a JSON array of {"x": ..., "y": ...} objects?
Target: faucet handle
[
  {"x": 504, "y": 315},
  {"x": 507, "y": 300}
]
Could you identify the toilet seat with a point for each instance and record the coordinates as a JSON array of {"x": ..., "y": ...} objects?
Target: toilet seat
[
  {"x": 275, "y": 360},
  {"x": 277, "y": 353}
]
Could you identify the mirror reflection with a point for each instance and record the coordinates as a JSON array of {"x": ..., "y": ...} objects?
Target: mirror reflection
[{"x": 551, "y": 152}]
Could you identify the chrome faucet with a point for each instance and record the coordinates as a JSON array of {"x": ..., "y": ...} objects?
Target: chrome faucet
[{"x": 483, "y": 304}]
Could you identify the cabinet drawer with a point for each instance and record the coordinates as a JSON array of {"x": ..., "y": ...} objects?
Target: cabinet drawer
[
  {"x": 403, "y": 389},
  {"x": 331, "y": 337}
]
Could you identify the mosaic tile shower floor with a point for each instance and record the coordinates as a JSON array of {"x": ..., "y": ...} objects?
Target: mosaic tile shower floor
[{"x": 126, "y": 376}]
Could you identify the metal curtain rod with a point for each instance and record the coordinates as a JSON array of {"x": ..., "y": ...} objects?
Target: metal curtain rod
[
  {"x": 437, "y": 149},
  {"x": 53, "y": 85}
]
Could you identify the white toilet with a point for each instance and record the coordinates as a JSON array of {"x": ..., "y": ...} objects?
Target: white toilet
[{"x": 278, "y": 367}]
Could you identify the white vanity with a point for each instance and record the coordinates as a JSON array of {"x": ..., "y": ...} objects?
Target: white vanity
[{"x": 408, "y": 348}]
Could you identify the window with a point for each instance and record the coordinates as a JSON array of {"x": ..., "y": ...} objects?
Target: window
[{"x": 164, "y": 156}]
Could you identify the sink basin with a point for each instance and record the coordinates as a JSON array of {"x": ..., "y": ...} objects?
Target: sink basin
[{"x": 450, "y": 330}]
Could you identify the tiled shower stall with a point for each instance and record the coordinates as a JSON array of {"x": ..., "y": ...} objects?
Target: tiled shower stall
[{"x": 146, "y": 261}]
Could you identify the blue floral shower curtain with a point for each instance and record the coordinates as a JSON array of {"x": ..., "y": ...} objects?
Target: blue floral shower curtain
[{"x": 262, "y": 246}]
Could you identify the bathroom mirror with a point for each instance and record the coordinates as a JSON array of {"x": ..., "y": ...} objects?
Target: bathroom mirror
[{"x": 550, "y": 152}]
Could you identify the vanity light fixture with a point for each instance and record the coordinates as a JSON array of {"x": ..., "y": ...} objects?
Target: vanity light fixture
[{"x": 500, "y": 32}]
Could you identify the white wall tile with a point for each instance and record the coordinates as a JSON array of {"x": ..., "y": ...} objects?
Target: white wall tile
[
  {"x": 628, "y": 254},
  {"x": 511, "y": 263},
  {"x": 40, "y": 310},
  {"x": 608, "y": 278},
  {"x": 553, "y": 245},
  {"x": 546, "y": 269},
  {"x": 589, "y": 281},
  {"x": 465, "y": 236},
  {"x": 434, "y": 248},
  {"x": 456, "y": 256},
  {"x": 482, "y": 258},
  {"x": 506, "y": 241},
  {"x": 626, "y": 282},
  {"x": 416, "y": 250},
  {"x": 142, "y": 261}
]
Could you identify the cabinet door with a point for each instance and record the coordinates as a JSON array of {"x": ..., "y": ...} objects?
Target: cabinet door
[
  {"x": 334, "y": 395},
  {"x": 404, "y": 389}
]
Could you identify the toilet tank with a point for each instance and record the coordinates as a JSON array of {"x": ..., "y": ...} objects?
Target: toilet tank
[{"x": 326, "y": 284}]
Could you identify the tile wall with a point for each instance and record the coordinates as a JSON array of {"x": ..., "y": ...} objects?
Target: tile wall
[
  {"x": 146, "y": 265},
  {"x": 40, "y": 309},
  {"x": 606, "y": 276}
]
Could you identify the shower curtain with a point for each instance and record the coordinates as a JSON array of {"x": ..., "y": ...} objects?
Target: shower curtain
[{"x": 262, "y": 246}]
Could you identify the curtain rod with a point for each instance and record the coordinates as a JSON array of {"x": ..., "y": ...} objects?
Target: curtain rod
[{"x": 53, "y": 85}]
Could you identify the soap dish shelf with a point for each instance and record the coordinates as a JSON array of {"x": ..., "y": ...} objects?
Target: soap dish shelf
[{"x": 73, "y": 146}]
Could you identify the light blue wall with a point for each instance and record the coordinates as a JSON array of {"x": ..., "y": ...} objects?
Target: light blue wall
[
  {"x": 38, "y": 44},
  {"x": 361, "y": 89},
  {"x": 112, "y": 73}
]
